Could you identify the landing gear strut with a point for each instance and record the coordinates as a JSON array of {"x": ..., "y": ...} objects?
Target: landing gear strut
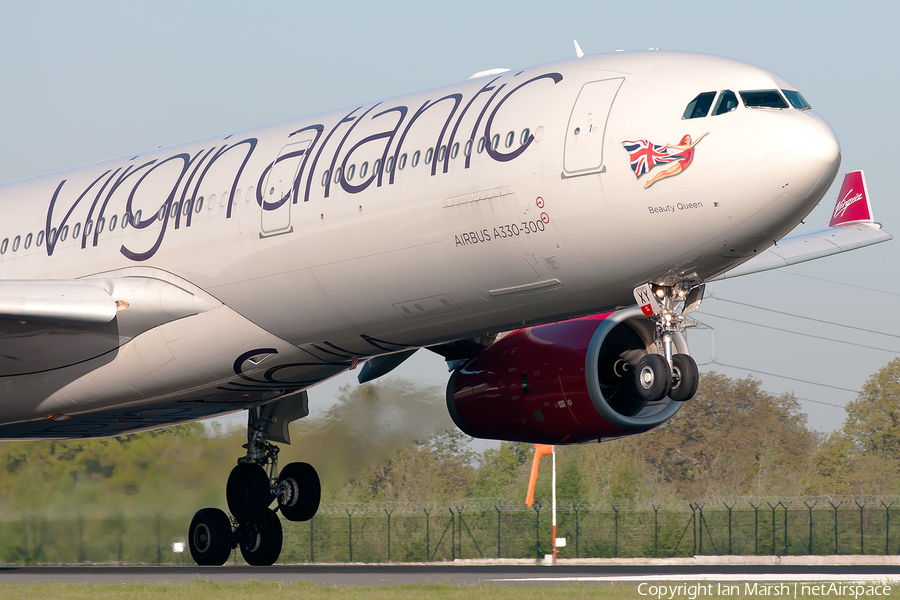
[
  {"x": 251, "y": 488},
  {"x": 667, "y": 373}
]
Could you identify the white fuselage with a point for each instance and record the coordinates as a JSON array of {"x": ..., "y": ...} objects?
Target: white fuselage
[{"x": 311, "y": 260}]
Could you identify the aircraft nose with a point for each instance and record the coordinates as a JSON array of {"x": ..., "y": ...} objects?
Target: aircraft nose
[{"x": 803, "y": 154}]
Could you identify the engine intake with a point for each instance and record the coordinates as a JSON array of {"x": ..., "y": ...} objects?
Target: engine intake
[{"x": 563, "y": 383}]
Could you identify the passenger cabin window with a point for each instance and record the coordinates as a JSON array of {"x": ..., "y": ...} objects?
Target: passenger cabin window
[
  {"x": 699, "y": 106},
  {"x": 727, "y": 103},
  {"x": 763, "y": 99},
  {"x": 797, "y": 100}
]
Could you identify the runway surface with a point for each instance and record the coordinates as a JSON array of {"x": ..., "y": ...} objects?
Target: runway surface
[{"x": 458, "y": 575}]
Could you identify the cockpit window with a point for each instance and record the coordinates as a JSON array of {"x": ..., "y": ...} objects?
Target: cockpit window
[
  {"x": 763, "y": 99},
  {"x": 727, "y": 103},
  {"x": 699, "y": 106},
  {"x": 796, "y": 100}
]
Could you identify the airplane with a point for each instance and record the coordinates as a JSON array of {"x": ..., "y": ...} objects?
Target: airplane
[{"x": 546, "y": 230}]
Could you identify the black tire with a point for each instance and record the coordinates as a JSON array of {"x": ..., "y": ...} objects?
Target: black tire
[
  {"x": 248, "y": 492},
  {"x": 261, "y": 546},
  {"x": 302, "y": 491},
  {"x": 685, "y": 378},
  {"x": 210, "y": 537},
  {"x": 653, "y": 378}
]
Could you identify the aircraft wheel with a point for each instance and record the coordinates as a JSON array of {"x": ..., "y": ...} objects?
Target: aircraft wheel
[
  {"x": 653, "y": 377},
  {"x": 685, "y": 378},
  {"x": 261, "y": 546},
  {"x": 210, "y": 537},
  {"x": 302, "y": 491},
  {"x": 248, "y": 492}
]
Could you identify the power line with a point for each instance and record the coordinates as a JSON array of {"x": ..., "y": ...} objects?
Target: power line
[
  {"x": 826, "y": 385},
  {"x": 850, "y": 285},
  {"x": 713, "y": 362},
  {"x": 809, "y": 335},
  {"x": 781, "y": 312},
  {"x": 820, "y": 402}
]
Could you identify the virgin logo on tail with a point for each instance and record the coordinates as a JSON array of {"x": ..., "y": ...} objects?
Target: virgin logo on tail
[
  {"x": 853, "y": 202},
  {"x": 843, "y": 204}
]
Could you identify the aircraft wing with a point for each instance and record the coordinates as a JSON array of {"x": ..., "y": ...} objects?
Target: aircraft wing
[
  {"x": 50, "y": 324},
  {"x": 851, "y": 227}
]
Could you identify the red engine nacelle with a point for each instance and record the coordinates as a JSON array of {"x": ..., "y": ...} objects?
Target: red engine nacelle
[{"x": 564, "y": 383}]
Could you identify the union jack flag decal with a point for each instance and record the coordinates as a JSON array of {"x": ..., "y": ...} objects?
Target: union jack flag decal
[{"x": 646, "y": 155}]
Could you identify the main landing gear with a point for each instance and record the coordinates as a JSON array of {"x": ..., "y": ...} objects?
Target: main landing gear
[
  {"x": 251, "y": 488},
  {"x": 667, "y": 373}
]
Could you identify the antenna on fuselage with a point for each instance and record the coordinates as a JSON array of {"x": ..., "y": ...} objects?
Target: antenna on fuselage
[{"x": 578, "y": 51}]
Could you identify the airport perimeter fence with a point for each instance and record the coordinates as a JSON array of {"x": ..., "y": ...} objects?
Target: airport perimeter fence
[{"x": 493, "y": 528}]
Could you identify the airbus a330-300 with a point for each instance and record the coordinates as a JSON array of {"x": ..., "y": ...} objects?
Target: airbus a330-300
[{"x": 546, "y": 230}]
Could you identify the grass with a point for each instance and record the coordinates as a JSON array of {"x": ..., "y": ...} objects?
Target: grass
[{"x": 253, "y": 590}]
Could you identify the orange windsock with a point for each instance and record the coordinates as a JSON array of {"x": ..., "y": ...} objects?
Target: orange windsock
[{"x": 539, "y": 451}]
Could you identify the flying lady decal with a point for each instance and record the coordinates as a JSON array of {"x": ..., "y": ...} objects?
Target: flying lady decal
[{"x": 645, "y": 155}]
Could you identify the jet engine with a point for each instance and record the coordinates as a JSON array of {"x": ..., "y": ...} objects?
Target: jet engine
[{"x": 564, "y": 383}]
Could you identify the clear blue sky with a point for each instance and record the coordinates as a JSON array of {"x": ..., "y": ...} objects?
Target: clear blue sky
[{"x": 92, "y": 80}]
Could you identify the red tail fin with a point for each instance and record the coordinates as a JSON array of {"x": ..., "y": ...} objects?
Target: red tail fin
[{"x": 853, "y": 202}]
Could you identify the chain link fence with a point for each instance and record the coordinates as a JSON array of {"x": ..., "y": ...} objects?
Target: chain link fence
[{"x": 492, "y": 528}]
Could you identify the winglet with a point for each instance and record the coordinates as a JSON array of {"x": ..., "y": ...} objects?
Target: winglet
[
  {"x": 853, "y": 204},
  {"x": 539, "y": 451},
  {"x": 578, "y": 51}
]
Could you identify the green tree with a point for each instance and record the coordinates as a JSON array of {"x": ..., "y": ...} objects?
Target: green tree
[
  {"x": 873, "y": 419},
  {"x": 733, "y": 438},
  {"x": 501, "y": 469},
  {"x": 570, "y": 484}
]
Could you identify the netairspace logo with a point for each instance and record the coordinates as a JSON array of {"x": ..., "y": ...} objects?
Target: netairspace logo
[{"x": 796, "y": 590}]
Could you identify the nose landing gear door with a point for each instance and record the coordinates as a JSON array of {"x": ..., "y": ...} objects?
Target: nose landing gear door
[
  {"x": 583, "y": 153},
  {"x": 277, "y": 193}
]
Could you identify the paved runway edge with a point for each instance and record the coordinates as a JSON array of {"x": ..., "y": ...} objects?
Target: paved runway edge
[{"x": 458, "y": 574}]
